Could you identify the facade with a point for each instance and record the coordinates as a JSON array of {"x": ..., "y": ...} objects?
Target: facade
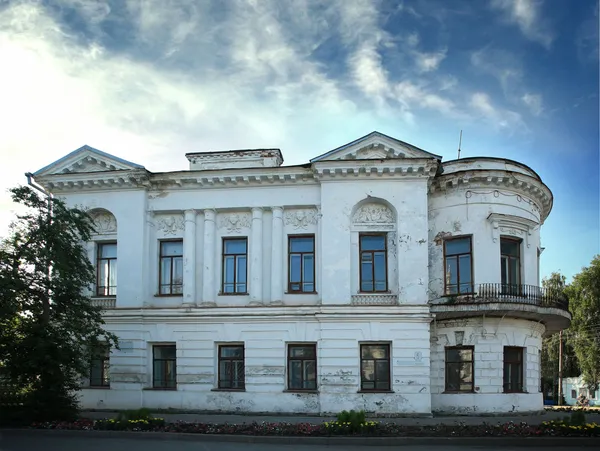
[
  {"x": 574, "y": 387},
  {"x": 374, "y": 277}
]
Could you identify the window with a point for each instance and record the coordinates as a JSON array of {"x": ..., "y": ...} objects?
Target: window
[
  {"x": 164, "y": 366},
  {"x": 99, "y": 367},
  {"x": 574, "y": 394},
  {"x": 459, "y": 268},
  {"x": 302, "y": 367},
  {"x": 375, "y": 367},
  {"x": 234, "y": 265},
  {"x": 301, "y": 270},
  {"x": 106, "y": 284},
  {"x": 232, "y": 374},
  {"x": 459, "y": 369},
  {"x": 373, "y": 263},
  {"x": 171, "y": 267},
  {"x": 513, "y": 369},
  {"x": 510, "y": 255}
]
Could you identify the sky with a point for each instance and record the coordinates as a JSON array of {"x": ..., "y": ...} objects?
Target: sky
[{"x": 149, "y": 80}]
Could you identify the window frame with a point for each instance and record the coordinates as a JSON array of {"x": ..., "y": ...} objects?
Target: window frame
[
  {"x": 289, "y": 265},
  {"x": 101, "y": 354},
  {"x": 375, "y": 380},
  {"x": 512, "y": 287},
  {"x": 521, "y": 366},
  {"x": 223, "y": 267},
  {"x": 472, "y": 362},
  {"x": 154, "y": 359},
  {"x": 171, "y": 257},
  {"x": 457, "y": 256},
  {"x": 360, "y": 265},
  {"x": 231, "y": 359},
  {"x": 290, "y": 359},
  {"x": 97, "y": 293}
]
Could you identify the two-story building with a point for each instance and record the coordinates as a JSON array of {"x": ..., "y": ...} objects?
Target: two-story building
[{"x": 373, "y": 277}]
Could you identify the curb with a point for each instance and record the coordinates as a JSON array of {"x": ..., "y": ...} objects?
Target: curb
[{"x": 488, "y": 442}]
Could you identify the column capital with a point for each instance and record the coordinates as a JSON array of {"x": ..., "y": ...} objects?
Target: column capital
[
  {"x": 210, "y": 214},
  {"x": 277, "y": 211},
  {"x": 257, "y": 212},
  {"x": 190, "y": 215}
]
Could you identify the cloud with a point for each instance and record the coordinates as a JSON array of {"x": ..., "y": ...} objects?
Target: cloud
[
  {"x": 501, "y": 65},
  {"x": 526, "y": 15},
  {"x": 427, "y": 62},
  {"x": 587, "y": 39},
  {"x": 534, "y": 103},
  {"x": 482, "y": 104}
]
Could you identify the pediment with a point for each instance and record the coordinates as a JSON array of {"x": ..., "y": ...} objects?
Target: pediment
[
  {"x": 375, "y": 146},
  {"x": 85, "y": 160}
]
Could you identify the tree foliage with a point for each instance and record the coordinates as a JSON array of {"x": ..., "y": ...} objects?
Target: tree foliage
[
  {"x": 47, "y": 322},
  {"x": 584, "y": 336}
]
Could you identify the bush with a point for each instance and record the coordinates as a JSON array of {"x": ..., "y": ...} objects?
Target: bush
[
  {"x": 137, "y": 414},
  {"x": 577, "y": 418},
  {"x": 354, "y": 421}
]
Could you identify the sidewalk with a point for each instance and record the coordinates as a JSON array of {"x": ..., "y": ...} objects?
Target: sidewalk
[{"x": 238, "y": 419}]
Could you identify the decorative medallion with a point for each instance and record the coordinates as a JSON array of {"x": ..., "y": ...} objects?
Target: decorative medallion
[
  {"x": 170, "y": 225},
  {"x": 301, "y": 219},
  {"x": 104, "y": 222},
  {"x": 235, "y": 222},
  {"x": 373, "y": 213}
]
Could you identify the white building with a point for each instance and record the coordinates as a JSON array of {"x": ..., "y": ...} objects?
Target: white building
[
  {"x": 573, "y": 387},
  {"x": 373, "y": 277}
]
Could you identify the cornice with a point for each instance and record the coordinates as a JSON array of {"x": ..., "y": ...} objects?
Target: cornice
[
  {"x": 521, "y": 184},
  {"x": 409, "y": 167},
  {"x": 96, "y": 181}
]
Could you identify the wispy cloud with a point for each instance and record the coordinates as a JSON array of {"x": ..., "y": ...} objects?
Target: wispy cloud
[
  {"x": 534, "y": 103},
  {"x": 527, "y": 16},
  {"x": 497, "y": 117},
  {"x": 427, "y": 62},
  {"x": 587, "y": 39}
]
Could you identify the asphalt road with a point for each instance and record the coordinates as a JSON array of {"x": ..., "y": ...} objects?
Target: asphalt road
[{"x": 27, "y": 442}]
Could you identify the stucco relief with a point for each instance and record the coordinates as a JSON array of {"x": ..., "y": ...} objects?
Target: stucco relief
[
  {"x": 104, "y": 222},
  {"x": 373, "y": 214},
  {"x": 170, "y": 225},
  {"x": 301, "y": 219},
  {"x": 235, "y": 222}
]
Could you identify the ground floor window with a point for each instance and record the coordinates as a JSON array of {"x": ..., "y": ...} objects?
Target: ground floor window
[
  {"x": 99, "y": 367},
  {"x": 459, "y": 369},
  {"x": 164, "y": 366},
  {"x": 513, "y": 369},
  {"x": 375, "y": 367},
  {"x": 232, "y": 374},
  {"x": 302, "y": 366}
]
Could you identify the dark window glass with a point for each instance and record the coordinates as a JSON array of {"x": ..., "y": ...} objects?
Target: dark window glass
[
  {"x": 373, "y": 263},
  {"x": 458, "y": 266},
  {"x": 375, "y": 367},
  {"x": 510, "y": 255},
  {"x": 302, "y": 367},
  {"x": 459, "y": 369},
  {"x": 513, "y": 369},
  {"x": 301, "y": 277},
  {"x": 99, "y": 367},
  {"x": 164, "y": 366},
  {"x": 106, "y": 277},
  {"x": 235, "y": 255},
  {"x": 171, "y": 267},
  {"x": 231, "y": 367}
]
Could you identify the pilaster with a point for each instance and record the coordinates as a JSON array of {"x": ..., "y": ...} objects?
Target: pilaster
[
  {"x": 256, "y": 256},
  {"x": 208, "y": 287},
  {"x": 277, "y": 256},
  {"x": 189, "y": 259}
]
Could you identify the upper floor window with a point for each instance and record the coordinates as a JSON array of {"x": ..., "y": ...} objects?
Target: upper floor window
[
  {"x": 106, "y": 279},
  {"x": 459, "y": 369},
  {"x": 171, "y": 267},
  {"x": 458, "y": 263},
  {"x": 301, "y": 271},
  {"x": 302, "y": 366},
  {"x": 99, "y": 367},
  {"x": 373, "y": 262},
  {"x": 235, "y": 256},
  {"x": 510, "y": 262},
  {"x": 513, "y": 369},
  {"x": 375, "y": 367}
]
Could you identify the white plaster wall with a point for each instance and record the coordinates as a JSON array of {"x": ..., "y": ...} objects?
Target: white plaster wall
[
  {"x": 265, "y": 338},
  {"x": 462, "y": 211},
  {"x": 488, "y": 336},
  {"x": 577, "y": 383}
]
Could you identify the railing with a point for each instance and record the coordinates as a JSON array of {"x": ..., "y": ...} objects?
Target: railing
[
  {"x": 520, "y": 294},
  {"x": 105, "y": 303}
]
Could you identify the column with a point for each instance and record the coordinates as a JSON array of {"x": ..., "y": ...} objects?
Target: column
[
  {"x": 189, "y": 258},
  {"x": 256, "y": 256},
  {"x": 277, "y": 256},
  {"x": 208, "y": 292}
]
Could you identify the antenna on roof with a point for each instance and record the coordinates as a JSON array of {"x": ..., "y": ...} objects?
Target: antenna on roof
[{"x": 459, "y": 143}]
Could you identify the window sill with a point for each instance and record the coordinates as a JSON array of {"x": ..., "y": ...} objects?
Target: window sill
[
  {"x": 513, "y": 392},
  {"x": 174, "y": 295},
  {"x": 96, "y": 296},
  {"x": 375, "y": 391},
  {"x": 362, "y": 293},
  {"x": 233, "y": 294},
  {"x": 301, "y": 391},
  {"x": 160, "y": 388},
  {"x": 471, "y": 293},
  {"x": 98, "y": 387},
  {"x": 229, "y": 389},
  {"x": 471, "y": 392},
  {"x": 301, "y": 292}
]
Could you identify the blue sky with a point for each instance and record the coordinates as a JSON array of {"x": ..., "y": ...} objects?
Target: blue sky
[{"x": 151, "y": 80}]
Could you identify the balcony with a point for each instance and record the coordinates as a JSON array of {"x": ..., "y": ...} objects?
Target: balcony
[
  {"x": 517, "y": 301},
  {"x": 105, "y": 303}
]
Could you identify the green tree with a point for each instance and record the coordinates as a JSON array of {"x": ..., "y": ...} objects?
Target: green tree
[
  {"x": 584, "y": 335},
  {"x": 47, "y": 322}
]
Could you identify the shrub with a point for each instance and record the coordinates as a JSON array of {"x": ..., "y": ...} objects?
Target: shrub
[
  {"x": 577, "y": 418},
  {"x": 137, "y": 414},
  {"x": 353, "y": 420}
]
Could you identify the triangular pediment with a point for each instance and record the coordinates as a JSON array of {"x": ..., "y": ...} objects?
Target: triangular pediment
[
  {"x": 375, "y": 146},
  {"x": 85, "y": 160}
]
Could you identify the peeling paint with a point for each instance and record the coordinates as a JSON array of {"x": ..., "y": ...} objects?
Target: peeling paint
[{"x": 439, "y": 238}]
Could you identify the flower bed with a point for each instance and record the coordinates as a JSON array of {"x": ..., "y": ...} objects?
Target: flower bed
[
  {"x": 335, "y": 428},
  {"x": 566, "y": 409}
]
